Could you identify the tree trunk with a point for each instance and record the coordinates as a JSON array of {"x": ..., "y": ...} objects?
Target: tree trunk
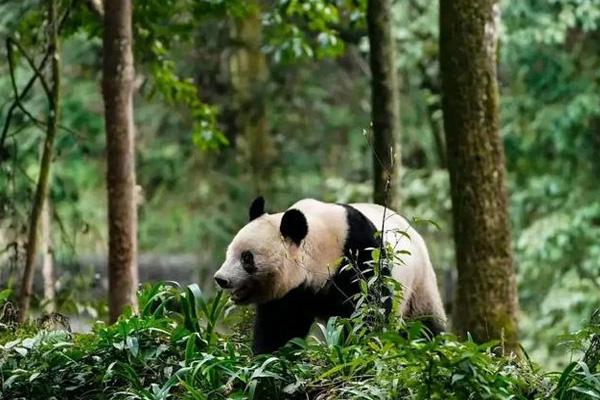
[
  {"x": 47, "y": 259},
  {"x": 433, "y": 87},
  {"x": 248, "y": 69},
  {"x": 118, "y": 80},
  {"x": 41, "y": 191},
  {"x": 592, "y": 354},
  {"x": 384, "y": 102},
  {"x": 437, "y": 132},
  {"x": 486, "y": 304}
]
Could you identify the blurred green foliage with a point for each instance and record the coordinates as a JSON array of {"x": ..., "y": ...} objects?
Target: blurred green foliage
[{"x": 196, "y": 188}]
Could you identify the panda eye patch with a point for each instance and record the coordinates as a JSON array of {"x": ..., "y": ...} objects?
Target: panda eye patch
[{"x": 248, "y": 262}]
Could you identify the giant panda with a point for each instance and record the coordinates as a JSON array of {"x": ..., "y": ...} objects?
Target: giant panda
[{"x": 288, "y": 265}]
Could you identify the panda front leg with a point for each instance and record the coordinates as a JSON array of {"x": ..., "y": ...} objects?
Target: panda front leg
[{"x": 276, "y": 323}]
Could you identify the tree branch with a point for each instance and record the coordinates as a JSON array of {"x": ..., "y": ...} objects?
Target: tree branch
[
  {"x": 29, "y": 85},
  {"x": 11, "y": 69},
  {"x": 17, "y": 100},
  {"x": 37, "y": 71}
]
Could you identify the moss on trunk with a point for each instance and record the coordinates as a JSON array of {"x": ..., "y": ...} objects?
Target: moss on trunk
[
  {"x": 486, "y": 304},
  {"x": 249, "y": 73}
]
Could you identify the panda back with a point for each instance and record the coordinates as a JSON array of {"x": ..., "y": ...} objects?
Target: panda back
[
  {"x": 342, "y": 228},
  {"x": 337, "y": 230}
]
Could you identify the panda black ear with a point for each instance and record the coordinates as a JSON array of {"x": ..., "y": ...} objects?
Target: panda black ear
[
  {"x": 294, "y": 226},
  {"x": 257, "y": 208}
]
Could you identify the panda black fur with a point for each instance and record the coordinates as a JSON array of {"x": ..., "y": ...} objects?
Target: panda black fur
[{"x": 294, "y": 280}]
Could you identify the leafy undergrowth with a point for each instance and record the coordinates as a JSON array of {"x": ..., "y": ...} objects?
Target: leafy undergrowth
[{"x": 175, "y": 349}]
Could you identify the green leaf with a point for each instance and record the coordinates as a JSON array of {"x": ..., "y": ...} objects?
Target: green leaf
[{"x": 5, "y": 294}]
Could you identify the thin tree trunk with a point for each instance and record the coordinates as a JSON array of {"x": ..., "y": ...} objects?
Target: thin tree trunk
[
  {"x": 384, "y": 102},
  {"x": 487, "y": 303},
  {"x": 47, "y": 259},
  {"x": 41, "y": 191},
  {"x": 437, "y": 130},
  {"x": 438, "y": 135},
  {"x": 592, "y": 354},
  {"x": 249, "y": 72},
  {"x": 118, "y": 79}
]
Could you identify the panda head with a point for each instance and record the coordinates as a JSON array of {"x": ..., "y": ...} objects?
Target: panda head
[{"x": 263, "y": 262}]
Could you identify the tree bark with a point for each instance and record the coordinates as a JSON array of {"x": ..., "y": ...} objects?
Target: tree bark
[
  {"x": 47, "y": 260},
  {"x": 41, "y": 191},
  {"x": 385, "y": 101},
  {"x": 118, "y": 80},
  {"x": 592, "y": 354},
  {"x": 249, "y": 72},
  {"x": 487, "y": 303}
]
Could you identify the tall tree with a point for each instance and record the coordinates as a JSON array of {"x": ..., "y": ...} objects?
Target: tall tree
[
  {"x": 487, "y": 301},
  {"x": 249, "y": 71},
  {"x": 384, "y": 101},
  {"x": 41, "y": 191},
  {"x": 118, "y": 85}
]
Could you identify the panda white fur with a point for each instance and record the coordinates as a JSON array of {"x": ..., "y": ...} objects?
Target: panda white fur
[{"x": 288, "y": 265}]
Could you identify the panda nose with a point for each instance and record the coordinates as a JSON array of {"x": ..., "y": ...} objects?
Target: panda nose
[{"x": 224, "y": 283}]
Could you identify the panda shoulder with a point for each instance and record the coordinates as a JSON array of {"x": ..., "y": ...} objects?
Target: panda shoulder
[
  {"x": 307, "y": 204},
  {"x": 313, "y": 206},
  {"x": 320, "y": 212}
]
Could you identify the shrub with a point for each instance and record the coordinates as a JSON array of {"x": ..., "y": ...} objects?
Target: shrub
[{"x": 176, "y": 348}]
